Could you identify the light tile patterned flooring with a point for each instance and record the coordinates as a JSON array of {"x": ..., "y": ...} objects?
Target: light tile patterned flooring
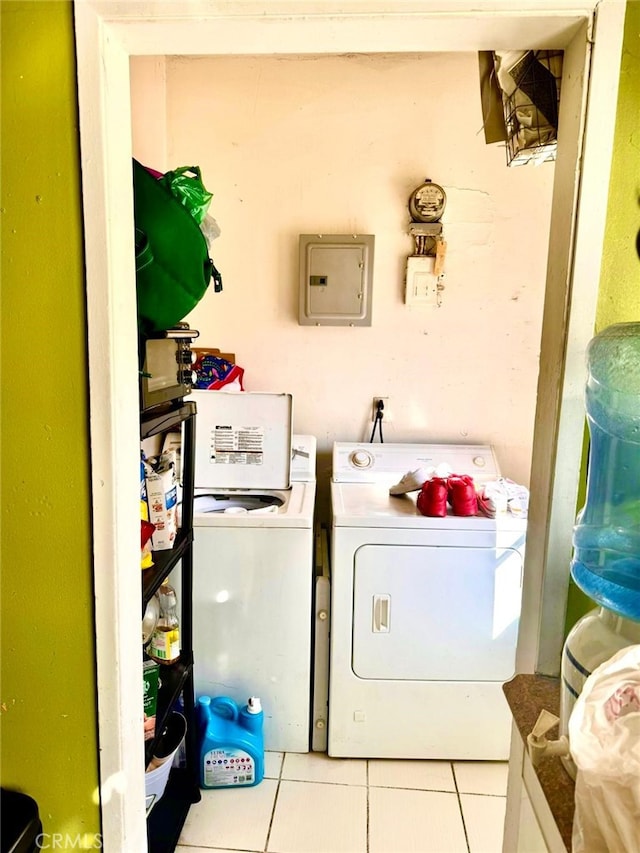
[{"x": 316, "y": 804}]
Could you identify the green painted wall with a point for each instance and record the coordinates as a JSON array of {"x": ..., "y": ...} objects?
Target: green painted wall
[
  {"x": 619, "y": 295},
  {"x": 48, "y": 698}
]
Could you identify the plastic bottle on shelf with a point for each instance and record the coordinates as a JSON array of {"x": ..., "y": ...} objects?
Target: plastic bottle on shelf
[
  {"x": 165, "y": 640},
  {"x": 606, "y": 538},
  {"x": 231, "y": 742}
]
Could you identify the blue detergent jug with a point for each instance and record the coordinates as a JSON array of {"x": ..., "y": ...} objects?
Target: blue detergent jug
[
  {"x": 231, "y": 742},
  {"x": 606, "y": 538}
]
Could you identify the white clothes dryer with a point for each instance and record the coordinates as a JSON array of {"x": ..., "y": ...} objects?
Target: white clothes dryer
[
  {"x": 424, "y": 611},
  {"x": 253, "y": 559}
]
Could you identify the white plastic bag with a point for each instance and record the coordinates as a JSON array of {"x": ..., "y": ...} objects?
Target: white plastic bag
[{"x": 604, "y": 735}]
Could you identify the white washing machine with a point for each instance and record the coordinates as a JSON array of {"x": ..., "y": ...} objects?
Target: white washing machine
[
  {"x": 424, "y": 611},
  {"x": 253, "y": 559}
]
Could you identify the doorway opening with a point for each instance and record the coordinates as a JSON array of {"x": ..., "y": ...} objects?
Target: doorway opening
[{"x": 107, "y": 36}]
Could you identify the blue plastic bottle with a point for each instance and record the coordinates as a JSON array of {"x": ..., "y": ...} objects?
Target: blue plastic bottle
[
  {"x": 606, "y": 538},
  {"x": 231, "y": 742}
]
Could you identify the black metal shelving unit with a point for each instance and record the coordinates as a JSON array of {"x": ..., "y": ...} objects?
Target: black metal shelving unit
[{"x": 167, "y": 817}]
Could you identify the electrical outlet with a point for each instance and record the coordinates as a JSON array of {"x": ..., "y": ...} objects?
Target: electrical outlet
[{"x": 387, "y": 419}]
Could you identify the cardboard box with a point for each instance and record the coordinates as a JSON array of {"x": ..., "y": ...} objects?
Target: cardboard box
[
  {"x": 162, "y": 498},
  {"x": 150, "y": 682}
]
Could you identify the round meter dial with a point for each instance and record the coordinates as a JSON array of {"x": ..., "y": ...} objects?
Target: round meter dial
[{"x": 427, "y": 202}]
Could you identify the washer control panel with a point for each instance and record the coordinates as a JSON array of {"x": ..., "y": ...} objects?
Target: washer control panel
[{"x": 387, "y": 462}]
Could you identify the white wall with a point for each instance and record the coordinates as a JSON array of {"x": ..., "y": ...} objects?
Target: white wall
[
  {"x": 149, "y": 109},
  {"x": 335, "y": 144}
]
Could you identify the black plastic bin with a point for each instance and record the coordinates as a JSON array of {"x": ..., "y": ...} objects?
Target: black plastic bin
[{"x": 21, "y": 825}]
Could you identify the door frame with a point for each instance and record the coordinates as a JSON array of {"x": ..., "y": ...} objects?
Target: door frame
[{"x": 107, "y": 34}]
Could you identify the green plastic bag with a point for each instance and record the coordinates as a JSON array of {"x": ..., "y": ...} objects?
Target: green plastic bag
[
  {"x": 189, "y": 190},
  {"x": 173, "y": 268}
]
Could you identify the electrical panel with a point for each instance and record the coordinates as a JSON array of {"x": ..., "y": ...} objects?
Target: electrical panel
[{"x": 336, "y": 279}]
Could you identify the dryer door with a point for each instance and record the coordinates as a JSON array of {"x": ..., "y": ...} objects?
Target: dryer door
[{"x": 436, "y": 613}]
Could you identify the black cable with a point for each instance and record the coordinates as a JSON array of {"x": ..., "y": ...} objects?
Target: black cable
[{"x": 377, "y": 423}]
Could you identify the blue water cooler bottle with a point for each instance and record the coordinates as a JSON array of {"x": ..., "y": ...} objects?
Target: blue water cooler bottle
[
  {"x": 231, "y": 742},
  {"x": 606, "y": 539}
]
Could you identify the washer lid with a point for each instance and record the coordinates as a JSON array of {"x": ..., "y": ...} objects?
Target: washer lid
[{"x": 243, "y": 439}]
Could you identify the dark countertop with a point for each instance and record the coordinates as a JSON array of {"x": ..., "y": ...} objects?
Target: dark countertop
[{"x": 527, "y": 695}]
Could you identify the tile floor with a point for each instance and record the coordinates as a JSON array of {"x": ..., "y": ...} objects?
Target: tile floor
[{"x": 316, "y": 804}]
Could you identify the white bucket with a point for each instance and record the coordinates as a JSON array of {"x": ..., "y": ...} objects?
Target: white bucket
[{"x": 156, "y": 778}]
